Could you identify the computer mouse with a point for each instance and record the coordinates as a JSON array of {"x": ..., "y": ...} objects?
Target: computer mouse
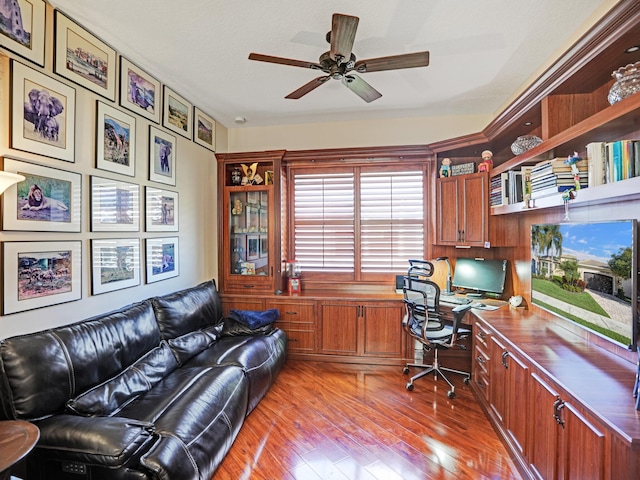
[{"x": 478, "y": 305}]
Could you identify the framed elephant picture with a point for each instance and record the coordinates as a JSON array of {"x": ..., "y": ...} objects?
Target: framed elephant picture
[
  {"x": 162, "y": 156},
  {"x": 42, "y": 114}
]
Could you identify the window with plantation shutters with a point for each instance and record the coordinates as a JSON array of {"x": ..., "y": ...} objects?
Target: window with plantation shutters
[{"x": 357, "y": 223}]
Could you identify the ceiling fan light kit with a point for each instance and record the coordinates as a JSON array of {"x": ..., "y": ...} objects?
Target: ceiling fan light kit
[{"x": 339, "y": 62}]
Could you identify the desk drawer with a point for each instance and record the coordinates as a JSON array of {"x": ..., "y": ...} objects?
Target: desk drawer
[{"x": 299, "y": 338}]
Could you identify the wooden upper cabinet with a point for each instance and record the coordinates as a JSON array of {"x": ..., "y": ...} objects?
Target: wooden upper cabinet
[{"x": 462, "y": 210}]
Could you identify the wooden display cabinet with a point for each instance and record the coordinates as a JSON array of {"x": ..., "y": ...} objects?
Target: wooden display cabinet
[{"x": 249, "y": 219}]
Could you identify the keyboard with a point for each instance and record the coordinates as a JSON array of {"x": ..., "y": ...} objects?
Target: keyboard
[{"x": 455, "y": 300}]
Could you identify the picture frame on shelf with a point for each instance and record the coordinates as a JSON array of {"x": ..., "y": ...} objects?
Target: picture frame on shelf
[
  {"x": 115, "y": 264},
  {"x": 47, "y": 200},
  {"x": 253, "y": 247},
  {"x": 177, "y": 113},
  {"x": 83, "y": 58},
  {"x": 40, "y": 274},
  {"x": 204, "y": 129},
  {"x": 115, "y": 140},
  {"x": 162, "y": 258},
  {"x": 28, "y": 39},
  {"x": 253, "y": 198},
  {"x": 162, "y": 210},
  {"x": 162, "y": 156},
  {"x": 264, "y": 246},
  {"x": 253, "y": 219},
  {"x": 115, "y": 205},
  {"x": 42, "y": 114},
  {"x": 264, "y": 199},
  {"x": 139, "y": 91},
  {"x": 263, "y": 226}
]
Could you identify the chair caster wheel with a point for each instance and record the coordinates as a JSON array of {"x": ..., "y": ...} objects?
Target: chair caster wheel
[
  {"x": 451, "y": 394},
  {"x": 405, "y": 370},
  {"x": 410, "y": 387},
  {"x": 466, "y": 380}
]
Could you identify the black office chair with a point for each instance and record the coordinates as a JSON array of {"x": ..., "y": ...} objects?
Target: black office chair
[{"x": 423, "y": 322}]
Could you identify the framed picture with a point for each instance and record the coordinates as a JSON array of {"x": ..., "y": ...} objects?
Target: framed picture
[
  {"x": 264, "y": 199},
  {"x": 47, "y": 200},
  {"x": 115, "y": 140},
  {"x": 204, "y": 129},
  {"x": 253, "y": 219},
  {"x": 162, "y": 258},
  {"x": 264, "y": 246},
  {"x": 162, "y": 210},
  {"x": 115, "y": 205},
  {"x": 139, "y": 91},
  {"x": 162, "y": 156},
  {"x": 42, "y": 114},
  {"x": 253, "y": 247},
  {"x": 115, "y": 264},
  {"x": 264, "y": 220},
  {"x": 25, "y": 35},
  {"x": 40, "y": 274},
  {"x": 83, "y": 58},
  {"x": 176, "y": 113},
  {"x": 253, "y": 198}
]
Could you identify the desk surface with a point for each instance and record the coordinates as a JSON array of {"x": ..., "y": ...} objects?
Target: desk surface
[{"x": 17, "y": 438}]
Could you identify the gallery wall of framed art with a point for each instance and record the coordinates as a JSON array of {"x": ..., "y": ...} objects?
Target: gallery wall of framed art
[{"x": 98, "y": 138}]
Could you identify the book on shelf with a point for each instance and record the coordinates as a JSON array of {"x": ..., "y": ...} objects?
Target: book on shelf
[
  {"x": 555, "y": 189},
  {"x": 613, "y": 161}
]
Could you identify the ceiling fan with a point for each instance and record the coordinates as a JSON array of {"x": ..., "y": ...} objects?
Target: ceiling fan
[{"x": 339, "y": 62}]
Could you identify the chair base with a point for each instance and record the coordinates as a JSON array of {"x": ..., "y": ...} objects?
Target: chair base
[{"x": 436, "y": 369}]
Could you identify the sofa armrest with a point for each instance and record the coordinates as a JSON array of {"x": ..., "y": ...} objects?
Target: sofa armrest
[{"x": 103, "y": 441}]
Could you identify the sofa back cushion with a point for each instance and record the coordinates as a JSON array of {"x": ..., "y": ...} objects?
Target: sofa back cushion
[
  {"x": 190, "y": 344},
  {"x": 41, "y": 371},
  {"x": 188, "y": 310},
  {"x": 114, "y": 394}
]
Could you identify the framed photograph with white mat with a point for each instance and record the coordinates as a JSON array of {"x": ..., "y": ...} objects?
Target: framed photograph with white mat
[
  {"x": 115, "y": 205},
  {"x": 177, "y": 113},
  {"x": 47, "y": 200},
  {"x": 115, "y": 140},
  {"x": 27, "y": 40},
  {"x": 40, "y": 274},
  {"x": 161, "y": 209},
  {"x": 163, "y": 260},
  {"x": 115, "y": 264}
]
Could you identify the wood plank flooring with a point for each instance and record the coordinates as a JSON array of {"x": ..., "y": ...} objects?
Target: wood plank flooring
[{"x": 358, "y": 422}]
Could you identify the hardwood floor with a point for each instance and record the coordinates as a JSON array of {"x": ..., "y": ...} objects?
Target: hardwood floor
[{"x": 356, "y": 422}]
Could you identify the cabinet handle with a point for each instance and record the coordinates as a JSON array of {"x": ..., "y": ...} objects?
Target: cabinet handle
[
  {"x": 505, "y": 354},
  {"x": 481, "y": 360},
  {"x": 462, "y": 236},
  {"x": 557, "y": 406},
  {"x": 481, "y": 335},
  {"x": 248, "y": 286},
  {"x": 291, "y": 313}
]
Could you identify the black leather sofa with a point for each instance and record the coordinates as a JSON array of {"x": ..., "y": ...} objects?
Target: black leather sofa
[{"x": 155, "y": 390}]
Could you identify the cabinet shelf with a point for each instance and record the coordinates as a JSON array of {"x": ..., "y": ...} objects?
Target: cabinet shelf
[
  {"x": 607, "y": 125},
  {"x": 623, "y": 190}
]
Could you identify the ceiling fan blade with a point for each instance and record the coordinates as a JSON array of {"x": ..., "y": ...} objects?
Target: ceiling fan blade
[
  {"x": 307, "y": 87},
  {"x": 283, "y": 61},
  {"x": 394, "y": 62},
  {"x": 361, "y": 88},
  {"x": 343, "y": 34}
]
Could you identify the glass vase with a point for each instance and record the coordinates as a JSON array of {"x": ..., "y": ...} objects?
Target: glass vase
[{"x": 627, "y": 82}]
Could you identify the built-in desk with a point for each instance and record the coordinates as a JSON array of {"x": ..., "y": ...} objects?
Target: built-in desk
[{"x": 563, "y": 405}]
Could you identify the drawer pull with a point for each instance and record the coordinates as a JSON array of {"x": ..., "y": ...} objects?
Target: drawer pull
[
  {"x": 505, "y": 354},
  {"x": 557, "y": 406},
  {"x": 481, "y": 335},
  {"x": 291, "y": 313},
  {"x": 248, "y": 286},
  {"x": 481, "y": 360}
]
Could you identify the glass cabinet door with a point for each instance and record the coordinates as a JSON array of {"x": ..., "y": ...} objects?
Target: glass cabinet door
[{"x": 248, "y": 257}]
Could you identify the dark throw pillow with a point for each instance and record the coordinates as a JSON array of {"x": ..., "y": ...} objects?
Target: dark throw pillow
[{"x": 255, "y": 319}]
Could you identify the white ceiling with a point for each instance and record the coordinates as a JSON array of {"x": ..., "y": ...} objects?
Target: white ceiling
[{"x": 481, "y": 51}]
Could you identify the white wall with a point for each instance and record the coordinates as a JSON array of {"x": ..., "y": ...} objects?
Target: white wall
[
  {"x": 370, "y": 133},
  {"x": 196, "y": 174}
]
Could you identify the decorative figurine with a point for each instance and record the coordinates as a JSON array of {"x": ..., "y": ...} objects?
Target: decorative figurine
[
  {"x": 445, "y": 168},
  {"x": 237, "y": 208},
  {"x": 487, "y": 161},
  {"x": 572, "y": 160},
  {"x": 236, "y": 176},
  {"x": 249, "y": 173}
]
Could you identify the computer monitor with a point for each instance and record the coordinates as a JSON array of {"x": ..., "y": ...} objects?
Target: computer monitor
[{"x": 480, "y": 276}]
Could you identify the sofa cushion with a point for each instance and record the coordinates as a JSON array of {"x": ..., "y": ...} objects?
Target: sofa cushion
[
  {"x": 188, "y": 310},
  {"x": 190, "y": 344},
  {"x": 255, "y": 319},
  {"x": 233, "y": 328},
  {"x": 112, "y": 395}
]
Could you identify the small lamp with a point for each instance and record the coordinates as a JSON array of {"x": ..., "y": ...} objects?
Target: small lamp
[
  {"x": 7, "y": 179},
  {"x": 448, "y": 291}
]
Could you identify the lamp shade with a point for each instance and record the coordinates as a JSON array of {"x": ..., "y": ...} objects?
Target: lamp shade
[{"x": 7, "y": 179}]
